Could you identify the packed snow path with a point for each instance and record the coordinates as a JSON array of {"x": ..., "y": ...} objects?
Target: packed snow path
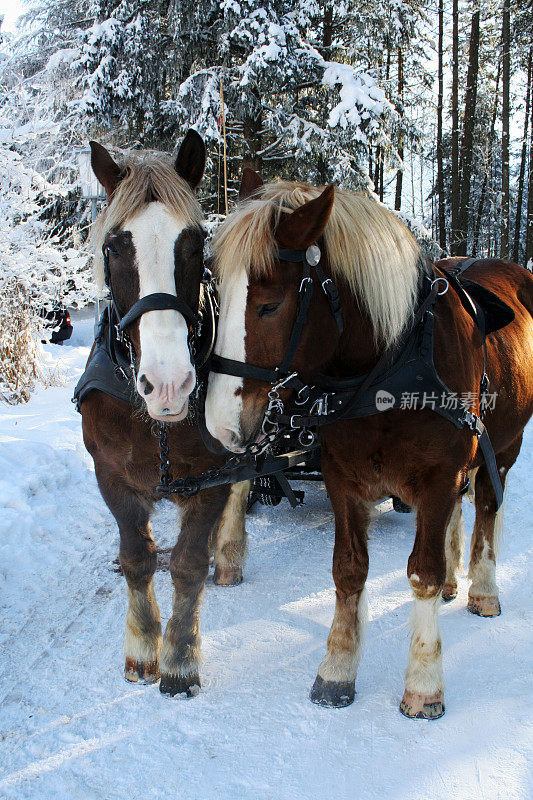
[{"x": 71, "y": 727}]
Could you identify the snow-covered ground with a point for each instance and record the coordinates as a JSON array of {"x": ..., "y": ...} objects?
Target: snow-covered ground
[{"x": 71, "y": 727}]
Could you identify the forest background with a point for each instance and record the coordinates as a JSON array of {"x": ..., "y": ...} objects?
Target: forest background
[{"x": 427, "y": 103}]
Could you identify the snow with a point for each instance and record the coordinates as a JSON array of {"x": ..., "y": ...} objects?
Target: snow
[{"x": 71, "y": 727}]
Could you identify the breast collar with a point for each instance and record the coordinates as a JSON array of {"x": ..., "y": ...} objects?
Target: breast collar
[{"x": 405, "y": 368}]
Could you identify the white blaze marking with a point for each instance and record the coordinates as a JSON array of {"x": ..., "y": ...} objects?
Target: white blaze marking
[
  {"x": 223, "y": 408},
  {"x": 165, "y": 357}
]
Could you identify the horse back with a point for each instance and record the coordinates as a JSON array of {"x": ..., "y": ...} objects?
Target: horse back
[{"x": 458, "y": 351}]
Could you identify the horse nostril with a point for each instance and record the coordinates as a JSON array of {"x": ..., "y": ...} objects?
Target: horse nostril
[
  {"x": 230, "y": 438},
  {"x": 188, "y": 384},
  {"x": 148, "y": 389}
]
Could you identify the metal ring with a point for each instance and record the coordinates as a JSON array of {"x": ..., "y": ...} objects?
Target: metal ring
[{"x": 447, "y": 286}]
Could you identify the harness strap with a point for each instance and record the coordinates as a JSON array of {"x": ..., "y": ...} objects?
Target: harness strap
[
  {"x": 159, "y": 301},
  {"x": 328, "y": 287},
  {"x": 304, "y": 301},
  {"x": 474, "y": 309}
]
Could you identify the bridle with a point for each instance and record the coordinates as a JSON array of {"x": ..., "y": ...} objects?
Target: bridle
[
  {"x": 158, "y": 301},
  {"x": 283, "y": 377}
]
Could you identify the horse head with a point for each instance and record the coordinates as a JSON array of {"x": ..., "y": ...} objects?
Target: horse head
[{"x": 151, "y": 239}]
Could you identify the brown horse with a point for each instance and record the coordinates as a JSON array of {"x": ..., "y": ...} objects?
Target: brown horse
[
  {"x": 416, "y": 455},
  {"x": 152, "y": 243}
]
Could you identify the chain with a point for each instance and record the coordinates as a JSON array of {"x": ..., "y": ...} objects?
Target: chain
[
  {"x": 189, "y": 487},
  {"x": 165, "y": 478},
  {"x": 270, "y": 426}
]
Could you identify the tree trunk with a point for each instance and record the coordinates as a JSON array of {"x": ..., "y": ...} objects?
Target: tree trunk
[
  {"x": 506, "y": 73},
  {"x": 467, "y": 142},
  {"x": 399, "y": 174},
  {"x": 518, "y": 219},
  {"x": 529, "y": 229},
  {"x": 327, "y": 34},
  {"x": 440, "y": 166},
  {"x": 456, "y": 178},
  {"x": 252, "y": 125},
  {"x": 489, "y": 163}
]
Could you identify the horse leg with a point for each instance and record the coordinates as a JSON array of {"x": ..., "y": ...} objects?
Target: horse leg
[
  {"x": 137, "y": 555},
  {"x": 334, "y": 685},
  {"x": 189, "y": 567},
  {"x": 454, "y": 549},
  {"x": 230, "y": 537},
  {"x": 424, "y": 682},
  {"x": 483, "y": 593}
]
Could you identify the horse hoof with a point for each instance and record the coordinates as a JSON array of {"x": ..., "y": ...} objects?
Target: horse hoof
[
  {"x": 422, "y": 706},
  {"x": 141, "y": 671},
  {"x": 178, "y": 684},
  {"x": 449, "y": 592},
  {"x": 488, "y": 606},
  {"x": 331, "y": 693},
  {"x": 228, "y": 576}
]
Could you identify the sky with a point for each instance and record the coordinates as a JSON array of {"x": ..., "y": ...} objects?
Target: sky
[{"x": 11, "y": 9}]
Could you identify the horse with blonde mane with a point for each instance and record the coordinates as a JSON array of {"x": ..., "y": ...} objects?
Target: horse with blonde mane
[
  {"x": 149, "y": 251},
  {"x": 414, "y": 454}
]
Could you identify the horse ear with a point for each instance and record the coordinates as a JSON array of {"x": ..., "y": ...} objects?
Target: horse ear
[
  {"x": 190, "y": 161},
  {"x": 306, "y": 224},
  {"x": 250, "y": 182},
  {"x": 106, "y": 170}
]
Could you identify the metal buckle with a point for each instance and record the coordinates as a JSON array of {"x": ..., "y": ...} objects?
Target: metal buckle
[
  {"x": 473, "y": 422},
  {"x": 320, "y": 406},
  {"x": 306, "y": 438},
  {"x": 304, "y": 280},
  {"x": 300, "y": 399},
  {"x": 443, "y": 280}
]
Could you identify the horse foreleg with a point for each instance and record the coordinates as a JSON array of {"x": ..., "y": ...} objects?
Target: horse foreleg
[
  {"x": 335, "y": 681},
  {"x": 189, "y": 566},
  {"x": 483, "y": 597},
  {"x": 138, "y": 559},
  {"x": 230, "y": 537},
  {"x": 455, "y": 542},
  {"x": 424, "y": 681}
]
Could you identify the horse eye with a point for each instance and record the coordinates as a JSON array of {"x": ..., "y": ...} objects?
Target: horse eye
[
  {"x": 111, "y": 249},
  {"x": 268, "y": 309}
]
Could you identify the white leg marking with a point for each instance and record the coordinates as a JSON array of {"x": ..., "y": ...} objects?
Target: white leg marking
[
  {"x": 424, "y": 668},
  {"x": 483, "y": 574},
  {"x": 143, "y": 614},
  {"x": 230, "y": 544},
  {"x": 454, "y": 545},
  {"x": 345, "y": 639},
  {"x": 223, "y": 404}
]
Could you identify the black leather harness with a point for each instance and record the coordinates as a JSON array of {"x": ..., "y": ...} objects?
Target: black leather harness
[{"x": 406, "y": 368}]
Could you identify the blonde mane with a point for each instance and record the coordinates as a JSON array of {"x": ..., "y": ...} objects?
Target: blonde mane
[
  {"x": 367, "y": 246},
  {"x": 148, "y": 177}
]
